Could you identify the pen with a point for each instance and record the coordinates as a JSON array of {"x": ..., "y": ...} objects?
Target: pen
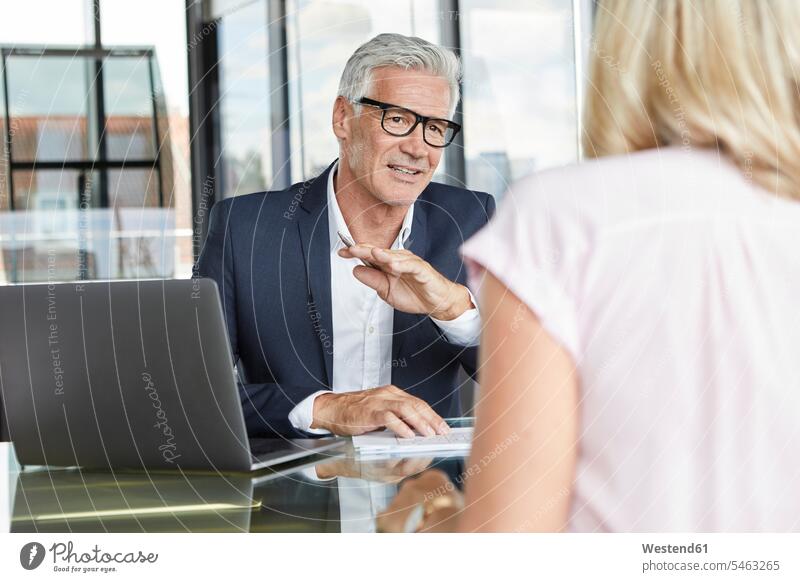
[{"x": 348, "y": 242}]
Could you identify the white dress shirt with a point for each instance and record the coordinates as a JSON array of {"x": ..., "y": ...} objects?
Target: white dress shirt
[
  {"x": 363, "y": 323},
  {"x": 360, "y": 500}
]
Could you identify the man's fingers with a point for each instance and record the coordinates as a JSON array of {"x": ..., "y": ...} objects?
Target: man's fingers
[
  {"x": 374, "y": 279},
  {"x": 419, "y": 408},
  {"x": 405, "y": 266},
  {"x": 421, "y": 416},
  {"x": 413, "y": 417},
  {"x": 362, "y": 254},
  {"x": 375, "y": 254},
  {"x": 436, "y": 422},
  {"x": 396, "y": 425},
  {"x": 357, "y": 251},
  {"x": 402, "y": 413},
  {"x": 395, "y": 262}
]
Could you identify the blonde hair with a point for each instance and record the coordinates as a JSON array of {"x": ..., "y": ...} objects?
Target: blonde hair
[{"x": 699, "y": 74}]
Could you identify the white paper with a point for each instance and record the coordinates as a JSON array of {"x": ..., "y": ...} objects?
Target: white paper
[{"x": 384, "y": 441}]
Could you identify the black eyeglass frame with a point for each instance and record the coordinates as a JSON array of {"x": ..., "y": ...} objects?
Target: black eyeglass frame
[{"x": 384, "y": 107}]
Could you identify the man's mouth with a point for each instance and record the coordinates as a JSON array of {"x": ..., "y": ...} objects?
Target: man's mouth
[{"x": 405, "y": 170}]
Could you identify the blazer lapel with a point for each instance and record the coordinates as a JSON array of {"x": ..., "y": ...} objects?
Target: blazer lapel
[
  {"x": 312, "y": 226},
  {"x": 417, "y": 243}
]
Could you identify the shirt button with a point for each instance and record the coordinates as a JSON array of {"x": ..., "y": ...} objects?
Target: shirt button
[{"x": 371, "y": 329}]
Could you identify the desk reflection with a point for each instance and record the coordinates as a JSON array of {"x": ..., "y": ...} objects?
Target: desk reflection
[
  {"x": 342, "y": 494},
  {"x": 75, "y": 501}
]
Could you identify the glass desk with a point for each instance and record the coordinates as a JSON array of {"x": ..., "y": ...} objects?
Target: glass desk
[{"x": 335, "y": 492}]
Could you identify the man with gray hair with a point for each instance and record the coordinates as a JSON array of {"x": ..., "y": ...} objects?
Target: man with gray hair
[{"x": 345, "y": 296}]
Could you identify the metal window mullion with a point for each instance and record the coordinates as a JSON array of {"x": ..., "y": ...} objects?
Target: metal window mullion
[
  {"x": 278, "y": 64},
  {"x": 203, "y": 119},
  {"x": 299, "y": 84},
  {"x": 80, "y": 164},
  {"x": 100, "y": 106},
  {"x": 451, "y": 38},
  {"x": 582, "y": 19},
  {"x": 94, "y": 53},
  {"x": 9, "y": 159},
  {"x": 156, "y": 133}
]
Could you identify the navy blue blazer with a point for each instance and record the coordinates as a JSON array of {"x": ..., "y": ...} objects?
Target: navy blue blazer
[{"x": 269, "y": 253}]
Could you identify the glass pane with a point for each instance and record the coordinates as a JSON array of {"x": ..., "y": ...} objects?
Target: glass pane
[
  {"x": 245, "y": 127},
  {"x": 134, "y": 23},
  {"x": 129, "y": 109},
  {"x": 520, "y": 110},
  {"x": 53, "y": 237},
  {"x": 322, "y": 34},
  {"x": 51, "y": 100},
  {"x": 45, "y": 237},
  {"x": 134, "y": 188},
  {"x": 48, "y": 108},
  {"x": 32, "y": 261},
  {"x": 142, "y": 243},
  {"x": 52, "y": 190},
  {"x": 161, "y": 25}
]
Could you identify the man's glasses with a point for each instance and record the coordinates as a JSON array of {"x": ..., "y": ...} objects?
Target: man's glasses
[{"x": 399, "y": 121}]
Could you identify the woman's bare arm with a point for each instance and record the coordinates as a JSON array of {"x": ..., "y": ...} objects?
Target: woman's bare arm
[{"x": 520, "y": 471}]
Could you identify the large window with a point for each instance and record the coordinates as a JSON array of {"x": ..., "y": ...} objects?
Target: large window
[
  {"x": 161, "y": 24},
  {"x": 321, "y": 37},
  {"x": 86, "y": 179},
  {"x": 519, "y": 99},
  {"x": 244, "y": 103},
  {"x": 519, "y": 106},
  {"x": 94, "y": 156}
]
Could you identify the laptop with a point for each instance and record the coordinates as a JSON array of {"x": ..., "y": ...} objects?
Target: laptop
[{"x": 127, "y": 374}]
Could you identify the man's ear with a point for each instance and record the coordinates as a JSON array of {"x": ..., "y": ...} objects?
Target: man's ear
[{"x": 342, "y": 117}]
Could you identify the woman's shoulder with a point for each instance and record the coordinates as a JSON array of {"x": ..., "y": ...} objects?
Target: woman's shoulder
[
  {"x": 623, "y": 175},
  {"x": 608, "y": 192}
]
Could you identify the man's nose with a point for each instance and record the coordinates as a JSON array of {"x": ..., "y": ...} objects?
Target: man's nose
[{"x": 414, "y": 143}]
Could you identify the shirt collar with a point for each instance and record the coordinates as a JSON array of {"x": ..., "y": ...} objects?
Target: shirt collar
[{"x": 336, "y": 219}]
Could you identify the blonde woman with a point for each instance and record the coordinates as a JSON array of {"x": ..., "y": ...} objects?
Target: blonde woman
[{"x": 641, "y": 361}]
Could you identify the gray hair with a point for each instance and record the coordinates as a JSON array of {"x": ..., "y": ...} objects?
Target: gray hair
[{"x": 406, "y": 52}]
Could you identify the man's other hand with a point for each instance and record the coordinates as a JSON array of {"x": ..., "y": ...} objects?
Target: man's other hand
[{"x": 354, "y": 413}]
